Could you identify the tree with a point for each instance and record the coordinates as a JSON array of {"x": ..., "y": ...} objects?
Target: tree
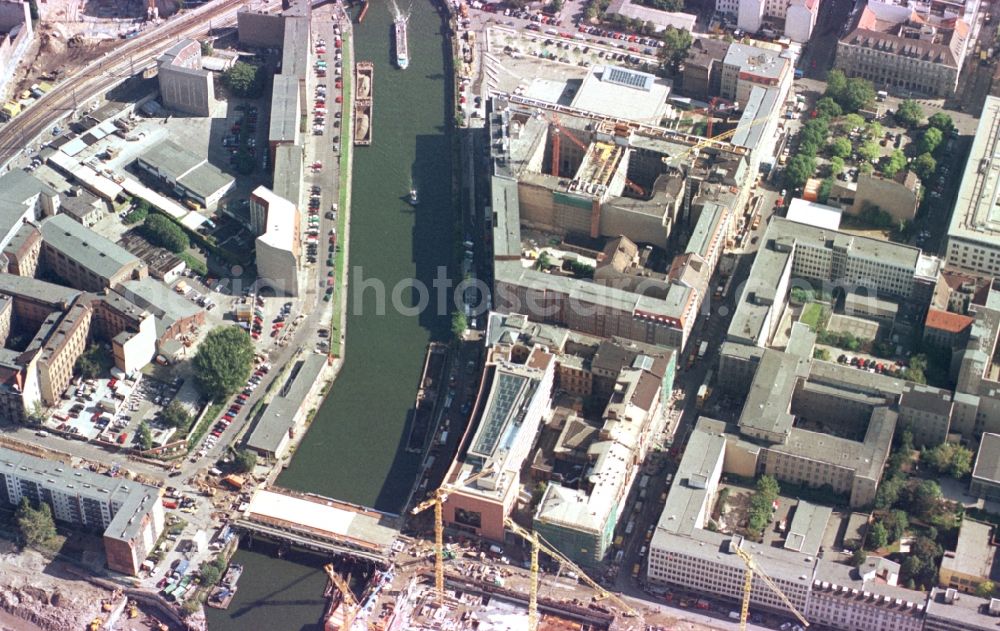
[
  {"x": 985, "y": 589},
  {"x": 676, "y": 43},
  {"x": 874, "y": 130},
  {"x": 841, "y": 147},
  {"x": 828, "y": 107},
  {"x": 138, "y": 214},
  {"x": 852, "y": 121},
  {"x": 930, "y": 140},
  {"x": 144, "y": 436},
  {"x": 35, "y": 525},
  {"x": 206, "y": 49},
  {"x": 799, "y": 169},
  {"x": 909, "y": 113},
  {"x": 836, "y": 84},
  {"x": 949, "y": 458},
  {"x": 924, "y": 166},
  {"x": 926, "y": 497},
  {"x": 459, "y": 323},
  {"x": 825, "y": 188},
  {"x": 768, "y": 487},
  {"x": 915, "y": 372},
  {"x": 161, "y": 231},
  {"x": 223, "y": 362},
  {"x": 858, "y": 94},
  {"x": 210, "y": 574},
  {"x": 175, "y": 415},
  {"x": 836, "y": 166},
  {"x": 869, "y": 151},
  {"x": 896, "y": 522},
  {"x": 893, "y": 164},
  {"x": 941, "y": 121},
  {"x": 858, "y": 557},
  {"x": 94, "y": 361},
  {"x": 245, "y": 460},
  {"x": 877, "y": 537},
  {"x": 243, "y": 79}
]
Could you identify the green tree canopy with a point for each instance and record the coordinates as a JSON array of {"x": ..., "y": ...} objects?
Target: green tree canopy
[
  {"x": 896, "y": 522},
  {"x": 924, "y": 166},
  {"x": 245, "y": 460},
  {"x": 175, "y": 415},
  {"x": 926, "y": 497},
  {"x": 223, "y": 362},
  {"x": 459, "y": 323},
  {"x": 930, "y": 140},
  {"x": 941, "y": 121},
  {"x": 799, "y": 169},
  {"x": 828, "y": 107},
  {"x": 985, "y": 589},
  {"x": 144, "y": 435},
  {"x": 874, "y": 130},
  {"x": 210, "y": 574},
  {"x": 676, "y": 43},
  {"x": 853, "y": 120},
  {"x": 893, "y": 164},
  {"x": 836, "y": 165},
  {"x": 163, "y": 232},
  {"x": 841, "y": 147},
  {"x": 243, "y": 79},
  {"x": 949, "y": 459},
  {"x": 35, "y": 525},
  {"x": 877, "y": 537},
  {"x": 869, "y": 151},
  {"x": 909, "y": 113},
  {"x": 836, "y": 84}
]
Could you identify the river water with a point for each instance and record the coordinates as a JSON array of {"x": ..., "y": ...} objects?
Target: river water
[{"x": 354, "y": 449}]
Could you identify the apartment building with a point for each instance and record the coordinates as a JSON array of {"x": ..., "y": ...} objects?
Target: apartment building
[
  {"x": 129, "y": 514},
  {"x": 512, "y": 399},
  {"x": 746, "y": 66},
  {"x": 84, "y": 259},
  {"x": 866, "y": 597},
  {"x": 23, "y": 250},
  {"x": 798, "y": 16},
  {"x": 974, "y": 232},
  {"x": 986, "y": 473},
  {"x": 905, "y": 48}
]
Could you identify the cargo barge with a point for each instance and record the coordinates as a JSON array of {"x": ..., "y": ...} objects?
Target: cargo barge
[
  {"x": 222, "y": 595},
  {"x": 402, "y": 46},
  {"x": 431, "y": 384},
  {"x": 364, "y": 80}
]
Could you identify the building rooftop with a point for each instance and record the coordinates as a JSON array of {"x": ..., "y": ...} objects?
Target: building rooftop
[
  {"x": 16, "y": 189},
  {"x": 279, "y": 415},
  {"x": 805, "y": 533},
  {"x": 81, "y": 204},
  {"x": 285, "y": 112},
  {"x": 760, "y": 107},
  {"x": 288, "y": 164},
  {"x": 506, "y": 211},
  {"x": 975, "y": 554},
  {"x": 926, "y": 398},
  {"x": 660, "y": 19},
  {"x": 988, "y": 459},
  {"x": 700, "y": 468},
  {"x": 171, "y": 159},
  {"x": 755, "y": 61},
  {"x": 55, "y": 296},
  {"x": 280, "y": 227},
  {"x": 814, "y": 214},
  {"x": 963, "y": 611},
  {"x": 295, "y": 47},
  {"x": 623, "y": 93},
  {"x": 207, "y": 179},
  {"x": 976, "y": 217},
  {"x": 167, "y": 306},
  {"x": 513, "y": 388},
  {"x": 766, "y": 412},
  {"x": 90, "y": 250}
]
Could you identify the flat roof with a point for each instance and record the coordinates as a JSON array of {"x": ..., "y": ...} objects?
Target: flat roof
[
  {"x": 767, "y": 405},
  {"x": 805, "y": 533},
  {"x": 288, "y": 164},
  {"x": 56, "y": 296},
  {"x": 171, "y": 159},
  {"x": 976, "y": 217},
  {"x": 988, "y": 459},
  {"x": 206, "y": 180},
  {"x": 285, "y": 109},
  {"x": 623, "y": 93},
  {"x": 704, "y": 229},
  {"x": 280, "y": 224},
  {"x": 330, "y": 519},
  {"x": 685, "y": 509},
  {"x": 166, "y": 305},
  {"x": 814, "y": 214},
  {"x": 295, "y": 47},
  {"x": 89, "y": 249},
  {"x": 756, "y": 61},
  {"x": 16, "y": 188},
  {"x": 279, "y": 415},
  {"x": 963, "y": 611},
  {"x": 758, "y": 112},
  {"x": 507, "y": 215},
  {"x": 975, "y": 553}
]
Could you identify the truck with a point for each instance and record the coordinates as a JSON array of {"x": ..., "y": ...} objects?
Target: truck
[
  {"x": 703, "y": 394},
  {"x": 734, "y": 615},
  {"x": 703, "y": 348},
  {"x": 629, "y": 527},
  {"x": 703, "y": 604}
]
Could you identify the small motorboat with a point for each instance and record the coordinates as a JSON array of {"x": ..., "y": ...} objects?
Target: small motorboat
[{"x": 413, "y": 197}]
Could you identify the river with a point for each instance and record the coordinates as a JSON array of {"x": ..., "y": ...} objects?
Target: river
[{"x": 354, "y": 449}]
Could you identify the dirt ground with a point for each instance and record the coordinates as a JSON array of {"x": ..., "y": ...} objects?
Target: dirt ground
[{"x": 39, "y": 595}]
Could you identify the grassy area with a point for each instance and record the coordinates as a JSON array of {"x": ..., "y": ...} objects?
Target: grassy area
[
  {"x": 813, "y": 315},
  {"x": 199, "y": 431},
  {"x": 347, "y": 145}
]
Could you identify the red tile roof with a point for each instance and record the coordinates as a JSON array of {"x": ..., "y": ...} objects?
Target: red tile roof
[{"x": 947, "y": 321}]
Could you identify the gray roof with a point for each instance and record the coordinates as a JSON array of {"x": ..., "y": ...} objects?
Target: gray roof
[
  {"x": 926, "y": 399},
  {"x": 166, "y": 305},
  {"x": 171, "y": 159},
  {"x": 16, "y": 187},
  {"x": 295, "y": 47},
  {"x": 805, "y": 533},
  {"x": 988, "y": 459},
  {"x": 761, "y": 105},
  {"x": 206, "y": 180},
  {"x": 886, "y": 252},
  {"x": 758, "y": 297},
  {"x": 976, "y": 217},
  {"x": 279, "y": 416},
  {"x": 89, "y": 249},
  {"x": 507, "y": 214},
  {"x": 975, "y": 553},
  {"x": 55, "y": 296},
  {"x": 288, "y": 173},
  {"x": 701, "y": 462},
  {"x": 81, "y": 204},
  {"x": 757, "y": 61},
  {"x": 135, "y": 499},
  {"x": 963, "y": 611},
  {"x": 514, "y": 387},
  {"x": 704, "y": 229},
  {"x": 767, "y": 404},
  {"x": 284, "y": 109}
]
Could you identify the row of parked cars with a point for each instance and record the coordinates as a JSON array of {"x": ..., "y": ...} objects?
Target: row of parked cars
[{"x": 892, "y": 369}]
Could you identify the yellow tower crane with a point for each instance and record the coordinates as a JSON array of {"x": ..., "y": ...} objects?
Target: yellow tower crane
[
  {"x": 538, "y": 543},
  {"x": 714, "y": 141},
  {"x": 753, "y": 568},
  {"x": 350, "y": 605},
  {"x": 437, "y": 500}
]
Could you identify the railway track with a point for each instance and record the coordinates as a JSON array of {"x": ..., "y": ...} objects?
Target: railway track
[{"x": 104, "y": 73}]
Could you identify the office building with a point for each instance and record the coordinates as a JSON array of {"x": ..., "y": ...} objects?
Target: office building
[
  {"x": 905, "y": 49},
  {"x": 747, "y": 66},
  {"x": 798, "y": 16},
  {"x": 512, "y": 399},
  {"x": 184, "y": 86},
  {"x": 974, "y": 233},
  {"x": 129, "y": 514}
]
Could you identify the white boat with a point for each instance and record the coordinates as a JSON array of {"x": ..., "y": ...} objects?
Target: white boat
[{"x": 414, "y": 199}]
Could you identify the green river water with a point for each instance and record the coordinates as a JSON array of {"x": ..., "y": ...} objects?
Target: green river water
[{"x": 354, "y": 449}]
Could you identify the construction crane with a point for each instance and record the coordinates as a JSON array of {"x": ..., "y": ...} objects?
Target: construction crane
[
  {"x": 713, "y": 141},
  {"x": 539, "y": 543},
  {"x": 349, "y": 604},
  {"x": 437, "y": 500},
  {"x": 753, "y": 568},
  {"x": 556, "y": 143}
]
